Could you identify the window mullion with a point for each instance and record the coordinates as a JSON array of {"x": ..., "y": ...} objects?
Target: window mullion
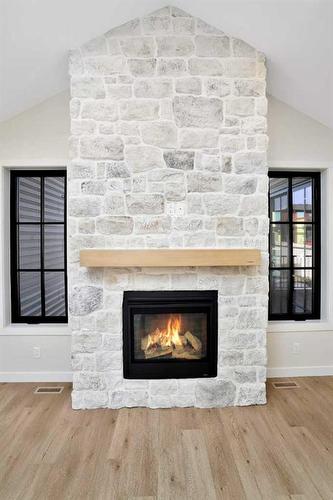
[
  {"x": 42, "y": 245},
  {"x": 291, "y": 258}
]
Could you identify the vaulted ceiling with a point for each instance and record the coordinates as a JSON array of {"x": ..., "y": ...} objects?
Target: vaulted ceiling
[{"x": 295, "y": 35}]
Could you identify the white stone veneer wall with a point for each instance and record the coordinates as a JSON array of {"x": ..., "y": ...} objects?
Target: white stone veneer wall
[{"x": 168, "y": 149}]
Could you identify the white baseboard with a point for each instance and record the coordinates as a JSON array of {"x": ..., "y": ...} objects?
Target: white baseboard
[
  {"x": 300, "y": 371},
  {"x": 36, "y": 376}
]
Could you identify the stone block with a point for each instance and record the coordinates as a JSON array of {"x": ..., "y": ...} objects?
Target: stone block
[
  {"x": 174, "y": 191},
  {"x": 199, "y": 112},
  {"x": 212, "y": 46},
  {"x": 251, "y": 394},
  {"x": 153, "y": 88},
  {"x": 93, "y": 187},
  {"x": 254, "y": 125},
  {"x": 138, "y": 46},
  {"x": 173, "y": 46},
  {"x": 198, "y": 139},
  {"x": 200, "y": 239},
  {"x": 102, "y": 110},
  {"x": 245, "y": 374},
  {"x": 187, "y": 224},
  {"x": 75, "y": 62},
  {"x": 254, "y": 205},
  {"x": 203, "y": 182},
  {"x": 217, "y": 87},
  {"x": 86, "y": 342},
  {"x": 242, "y": 49},
  {"x": 239, "y": 184},
  {"x": 108, "y": 360},
  {"x": 142, "y": 67},
  {"x": 203, "y": 27},
  {"x": 171, "y": 67},
  {"x": 81, "y": 170},
  {"x": 214, "y": 393},
  {"x": 166, "y": 175},
  {"x": 189, "y": 85},
  {"x": 206, "y": 66},
  {"x": 221, "y": 204},
  {"x": 105, "y": 65},
  {"x": 85, "y": 300},
  {"x": 129, "y": 399},
  {"x": 229, "y": 226},
  {"x": 183, "y": 25},
  {"x": 118, "y": 91},
  {"x": 250, "y": 163},
  {"x": 232, "y": 144},
  {"x": 251, "y": 88},
  {"x": 143, "y": 158},
  {"x": 87, "y": 87},
  {"x": 113, "y": 46},
  {"x": 110, "y": 147},
  {"x": 131, "y": 28},
  {"x": 161, "y": 133},
  {"x": 163, "y": 387},
  {"x": 258, "y": 356},
  {"x": 114, "y": 204},
  {"x": 251, "y": 318},
  {"x": 87, "y": 206},
  {"x": 114, "y": 225},
  {"x": 156, "y": 25},
  {"x": 88, "y": 381},
  {"x": 116, "y": 169},
  {"x": 145, "y": 204},
  {"x": 242, "y": 106},
  {"x": 139, "y": 110},
  {"x": 240, "y": 68},
  {"x": 152, "y": 225},
  {"x": 181, "y": 160}
]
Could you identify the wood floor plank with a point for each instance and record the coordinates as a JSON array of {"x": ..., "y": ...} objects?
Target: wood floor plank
[
  {"x": 283, "y": 450},
  {"x": 198, "y": 474}
]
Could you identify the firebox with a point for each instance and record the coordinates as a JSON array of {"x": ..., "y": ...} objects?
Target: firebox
[{"x": 170, "y": 334}]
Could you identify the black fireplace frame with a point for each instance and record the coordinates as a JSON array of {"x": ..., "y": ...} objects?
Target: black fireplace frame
[{"x": 177, "y": 302}]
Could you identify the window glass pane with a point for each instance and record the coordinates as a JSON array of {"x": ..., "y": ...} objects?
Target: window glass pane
[
  {"x": 30, "y": 294},
  {"x": 54, "y": 250},
  {"x": 278, "y": 191},
  {"x": 279, "y": 245},
  {"x": 279, "y": 291},
  {"x": 302, "y": 297},
  {"x": 54, "y": 283},
  {"x": 28, "y": 199},
  {"x": 54, "y": 199},
  {"x": 302, "y": 245},
  {"x": 302, "y": 199},
  {"x": 28, "y": 243}
]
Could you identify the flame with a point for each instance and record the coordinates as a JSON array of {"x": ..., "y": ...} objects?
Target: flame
[{"x": 169, "y": 336}]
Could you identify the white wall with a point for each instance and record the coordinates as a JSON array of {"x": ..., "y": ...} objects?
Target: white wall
[{"x": 40, "y": 137}]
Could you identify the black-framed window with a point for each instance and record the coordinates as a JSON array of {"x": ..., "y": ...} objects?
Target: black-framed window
[
  {"x": 38, "y": 246},
  {"x": 294, "y": 245}
]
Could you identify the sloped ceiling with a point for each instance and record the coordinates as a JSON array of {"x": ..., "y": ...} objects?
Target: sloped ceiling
[{"x": 295, "y": 35}]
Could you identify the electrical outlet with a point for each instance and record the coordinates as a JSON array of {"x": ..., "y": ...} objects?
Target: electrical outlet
[
  {"x": 36, "y": 352},
  {"x": 296, "y": 349}
]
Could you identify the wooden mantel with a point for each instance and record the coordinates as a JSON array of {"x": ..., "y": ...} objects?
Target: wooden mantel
[{"x": 198, "y": 257}]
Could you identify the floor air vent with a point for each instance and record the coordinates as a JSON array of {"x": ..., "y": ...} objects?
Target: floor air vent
[
  {"x": 49, "y": 390},
  {"x": 288, "y": 384}
]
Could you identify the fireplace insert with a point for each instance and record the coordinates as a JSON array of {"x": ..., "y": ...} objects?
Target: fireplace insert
[{"x": 170, "y": 334}]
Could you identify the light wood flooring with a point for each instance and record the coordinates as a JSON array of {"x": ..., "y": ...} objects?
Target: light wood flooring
[{"x": 283, "y": 450}]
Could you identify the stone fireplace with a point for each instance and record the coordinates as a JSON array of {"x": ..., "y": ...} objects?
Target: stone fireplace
[{"x": 168, "y": 150}]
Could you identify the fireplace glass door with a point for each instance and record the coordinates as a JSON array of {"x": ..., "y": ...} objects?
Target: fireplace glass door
[{"x": 170, "y": 334}]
